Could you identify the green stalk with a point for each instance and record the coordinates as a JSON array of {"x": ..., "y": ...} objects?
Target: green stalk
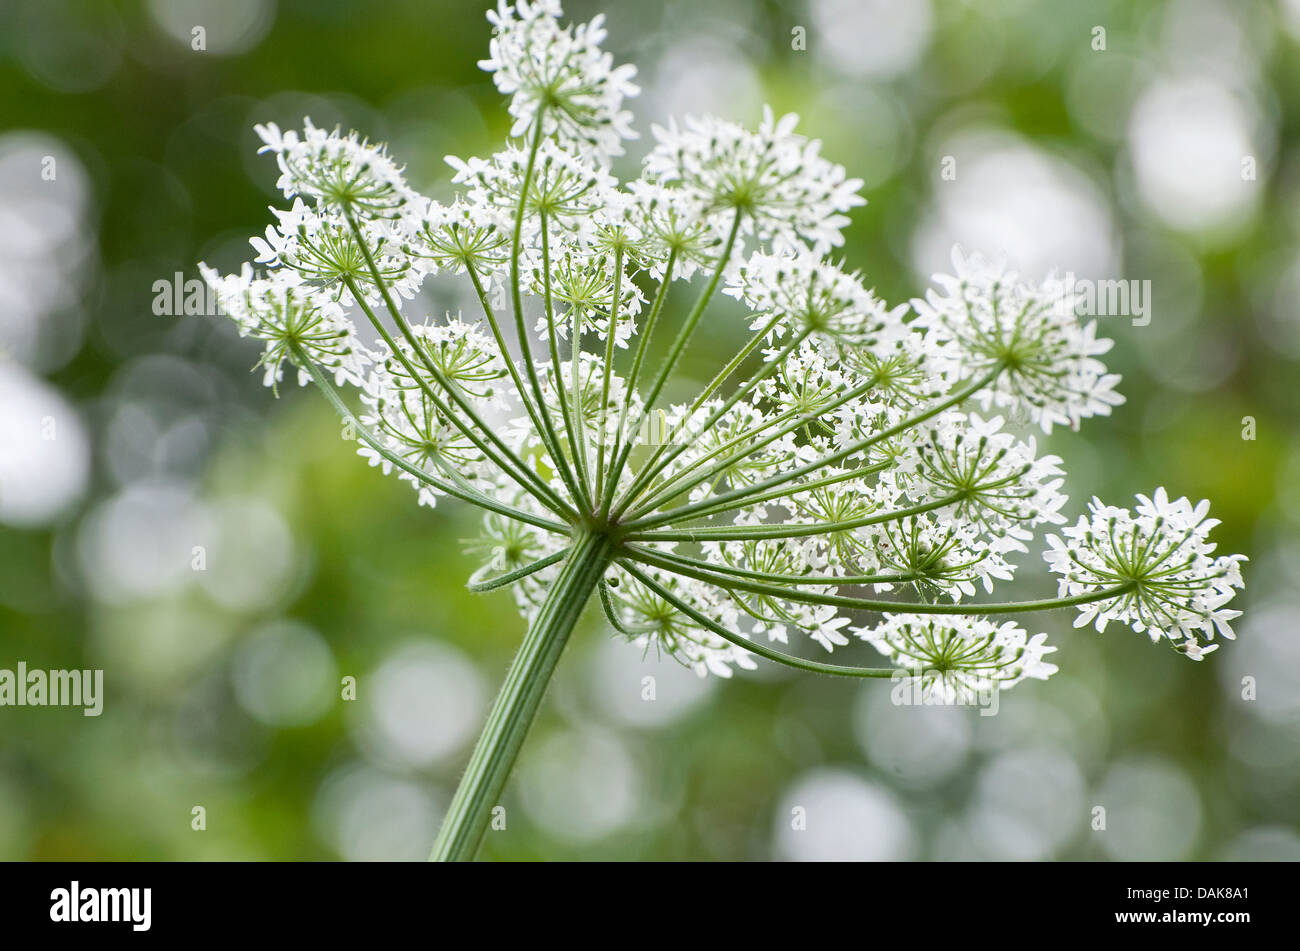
[
  {"x": 645, "y": 557},
  {"x": 524, "y": 397},
  {"x": 678, "y": 345},
  {"x": 664, "y": 455},
  {"x": 521, "y": 328},
  {"x": 776, "y": 577},
  {"x": 787, "y": 494},
  {"x": 747, "y": 443},
  {"x": 754, "y": 647},
  {"x": 597, "y": 485},
  {"x": 553, "y": 341},
  {"x": 629, "y": 387},
  {"x": 520, "y": 697},
  {"x": 736, "y": 533},
  {"x": 744, "y": 492}
]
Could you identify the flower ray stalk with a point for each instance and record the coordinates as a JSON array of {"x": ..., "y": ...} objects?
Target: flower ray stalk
[
  {"x": 660, "y": 459},
  {"x": 525, "y": 398},
  {"x": 780, "y": 657},
  {"x": 479, "y": 586},
  {"x": 599, "y": 482},
  {"x": 625, "y": 405},
  {"x": 552, "y": 440},
  {"x": 775, "y": 427},
  {"x": 464, "y": 493},
  {"x": 675, "y": 351},
  {"x": 868, "y": 604},
  {"x": 823, "y": 462}
]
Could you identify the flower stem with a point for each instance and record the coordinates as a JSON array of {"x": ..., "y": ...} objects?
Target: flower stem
[
  {"x": 647, "y": 557},
  {"x": 675, "y": 352},
  {"x": 547, "y": 433},
  {"x": 791, "y": 475},
  {"x": 456, "y": 489},
  {"x": 520, "y": 697},
  {"x": 780, "y": 657},
  {"x": 664, "y": 455}
]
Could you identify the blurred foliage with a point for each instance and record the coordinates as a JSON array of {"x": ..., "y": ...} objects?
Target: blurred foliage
[{"x": 1184, "y": 766}]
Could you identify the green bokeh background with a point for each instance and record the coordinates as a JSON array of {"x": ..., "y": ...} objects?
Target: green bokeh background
[{"x": 319, "y": 568}]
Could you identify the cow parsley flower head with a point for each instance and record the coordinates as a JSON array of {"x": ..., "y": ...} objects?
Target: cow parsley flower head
[
  {"x": 460, "y": 352},
  {"x": 567, "y": 187},
  {"x": 958, "y": 660},
  {"x": 847, "y": 460},
  {"x": 993, "y": 477},
  {"x": 336, "y": 171},
  {"x": 464, "y": 237},
  {"x": 673, "y": 228},
  {"x": 560, "y": 74},
  {"x": 583, "y": 286},
  {"x": 295, "y": 323},
  {"x": 410, "y": 428},
  {"x": 1161, "y": 564},
  {"x": 802, "y": 293},
  {"x": 326, "y": 251},
  {"x": 941, "y": 559},
  {"x": 1048, "y": 360},
  {"x": 776, "y": 179},
  {"x": 662, "y": 626}
]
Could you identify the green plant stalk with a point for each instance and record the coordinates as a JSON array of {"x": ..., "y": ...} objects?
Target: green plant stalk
[
  {"x": 553, "y": 341},
  {"x": 503, "y": 456},
  {"x": 520, "y": 697},
  {"x": 674, "y": 353},
  {"x": 548, "y": 433},
  {"x": 664, "y": 455},
  {"x": 606, "y": 370}
]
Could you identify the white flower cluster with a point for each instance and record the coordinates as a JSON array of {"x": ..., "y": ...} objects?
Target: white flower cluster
[
  {"x": 962, "y": 659},
  {"x": 803, "y": 293},
  {"x": 1048, "y": 360},
  {"x": 653, "y": 623},
  {"x": 1159, "y": 561},
  {"x": 560, "y": 74},
  {"x": 285, "y": 313},
  {"x": 849, "y": 451},
  {"x": 337, "y": 171},
  {"x": 773, "y": 180}
]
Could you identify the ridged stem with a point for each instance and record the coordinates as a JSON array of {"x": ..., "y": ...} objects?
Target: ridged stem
[{"x": 520, "y": 697}]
